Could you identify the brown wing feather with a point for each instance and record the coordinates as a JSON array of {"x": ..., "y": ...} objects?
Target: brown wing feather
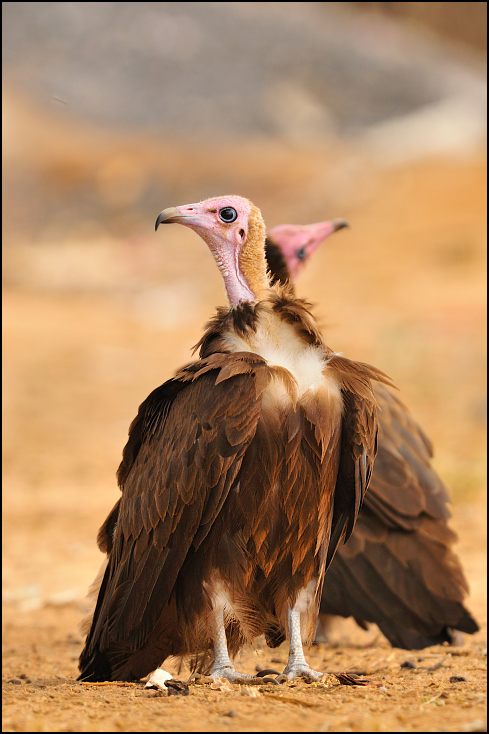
[
  {"x": 398, "y": 569},
  {"x": 358, "y": 444},
  {"x": 404, "y": 484},
  {"x": 105, "y": 537},
  {"x": 175, "y": 482},
  {"x": 391, "y": 583},
  {"x": 152, "y": 412}
]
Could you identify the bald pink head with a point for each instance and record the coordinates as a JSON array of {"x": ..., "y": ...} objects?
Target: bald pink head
[
  {"x": 298, "y": 242},
  {"x": 234, "y": 231}
]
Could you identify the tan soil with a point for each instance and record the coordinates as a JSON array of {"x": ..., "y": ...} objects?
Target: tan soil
[
  {"x": 408, "y": 294},
  {"x": 43, "y": 647}
]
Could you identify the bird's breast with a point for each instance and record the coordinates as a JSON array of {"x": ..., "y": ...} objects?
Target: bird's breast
[{"x": 300, "y": 369}]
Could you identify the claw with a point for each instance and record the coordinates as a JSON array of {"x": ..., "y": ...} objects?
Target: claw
[{"x": 267, "y": 671}]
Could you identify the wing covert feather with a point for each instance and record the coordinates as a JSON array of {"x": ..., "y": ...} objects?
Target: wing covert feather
[
  {"x": 358, "y": 444},
  {"x": 404, "y": 485}
]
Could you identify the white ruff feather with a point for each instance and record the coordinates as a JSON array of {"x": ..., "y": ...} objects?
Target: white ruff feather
[{"x": 278, "y": 343}]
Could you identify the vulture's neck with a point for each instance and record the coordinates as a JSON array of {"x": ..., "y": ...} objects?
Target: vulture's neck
[{"x": 248, "y": 281}]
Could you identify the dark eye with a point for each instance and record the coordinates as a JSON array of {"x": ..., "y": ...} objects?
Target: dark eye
[
  {"x": 301, "y": 254},
  {"x": 228, "y": 214}
]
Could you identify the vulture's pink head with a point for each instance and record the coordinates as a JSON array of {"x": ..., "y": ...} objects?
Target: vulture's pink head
[
  {"x": 234, "y": 231},
  {"x": 298, "y": 242}
]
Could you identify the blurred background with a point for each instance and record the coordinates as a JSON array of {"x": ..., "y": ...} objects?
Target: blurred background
[{"x": 375, "y": 112}]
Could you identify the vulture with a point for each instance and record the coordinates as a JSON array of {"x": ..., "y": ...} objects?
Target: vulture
[
  {"x": 240, "y": 476},
  {"x": 398, "y": 569}
]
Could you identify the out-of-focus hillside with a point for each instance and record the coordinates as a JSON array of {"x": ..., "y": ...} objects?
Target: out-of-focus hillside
[{"x": 113, "y": 108}]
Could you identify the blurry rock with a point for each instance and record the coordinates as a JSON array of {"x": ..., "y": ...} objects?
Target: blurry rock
[
  {"x": 29, "y": 598},
  {"x": 249, "y": 691},
  {"x": 477, "y": 725},
  {"x": 20, "y": 593},
  {"x": 61, "y": 598},
  {"x": 221, "y": 684},
  {"x": 31, "y": 605},
  {"x": 456, "y": 124}
]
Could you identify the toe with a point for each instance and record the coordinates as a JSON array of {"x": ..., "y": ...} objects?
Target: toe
[
  {"x": 232, "y": 676},
  {"x": 304, "y": 672}
]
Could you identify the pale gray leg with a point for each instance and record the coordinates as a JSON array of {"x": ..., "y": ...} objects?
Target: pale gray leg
[
  {"x": 222, "y": 661},
  {"x": 223, "y": 667},
  {"x": 297, "y": 666}
]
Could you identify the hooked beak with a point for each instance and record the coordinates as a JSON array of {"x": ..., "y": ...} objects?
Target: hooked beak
[
  {"x": 339, "y": 224},
  {"x": 321, "y": 230},
  {"x": 169, "y": 216}
]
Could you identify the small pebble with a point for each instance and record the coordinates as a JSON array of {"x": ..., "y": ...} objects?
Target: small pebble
[
  {"x": 177, "y": 688},
  {"x": 408, "y": 664},
  {"x": 457, "y": 679},
  {"x": 231, "y": 713},
  {"x": 15, "y": 681},
  {"x": 477, "y": 725},
  {"x": 249, "y": 691},
  {"x": 23, "y": 676}
]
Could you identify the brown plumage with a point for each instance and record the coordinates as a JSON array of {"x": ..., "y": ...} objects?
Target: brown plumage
[
  {"x": 240, "y": 476},
  {"x": 398, "y": 568}
]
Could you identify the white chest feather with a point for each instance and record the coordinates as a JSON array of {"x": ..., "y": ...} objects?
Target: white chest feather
[{"x": 278, "y": 343}]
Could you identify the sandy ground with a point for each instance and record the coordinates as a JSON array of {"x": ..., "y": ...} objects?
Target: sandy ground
[
  {"x": 408, "y": 294},
  {"x": 41, "y": 648}
]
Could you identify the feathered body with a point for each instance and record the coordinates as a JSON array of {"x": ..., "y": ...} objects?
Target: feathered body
[{"x": 240, "y": 476}]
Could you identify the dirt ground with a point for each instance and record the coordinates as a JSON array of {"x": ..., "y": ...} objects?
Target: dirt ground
[
  {"x": 408, "y": 294},
  {"x": 41, "y": 648}
]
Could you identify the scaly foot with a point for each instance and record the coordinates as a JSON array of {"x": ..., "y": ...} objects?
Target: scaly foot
[
  {"x": 229, "y": 673},
  {"x": 300, "y": 670}
]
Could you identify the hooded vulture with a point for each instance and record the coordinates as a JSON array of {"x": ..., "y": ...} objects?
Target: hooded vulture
[
  {"x": 240, "y": 476},
  {"x": 398, "y": 569}
]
